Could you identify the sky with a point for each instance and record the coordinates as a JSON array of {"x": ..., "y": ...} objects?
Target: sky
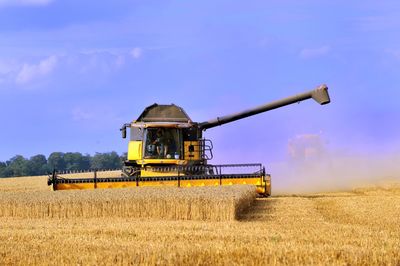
[{"x": 72, "y": 72}]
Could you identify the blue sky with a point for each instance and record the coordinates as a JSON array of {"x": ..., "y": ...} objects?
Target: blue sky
[{"x": 72, "y": 72}]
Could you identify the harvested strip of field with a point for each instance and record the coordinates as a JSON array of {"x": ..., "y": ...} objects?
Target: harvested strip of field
[{"x": 222, "y": 203}]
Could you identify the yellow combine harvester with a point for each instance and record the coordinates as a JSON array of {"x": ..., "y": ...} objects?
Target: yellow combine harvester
[{"x": 167, "y": 148}]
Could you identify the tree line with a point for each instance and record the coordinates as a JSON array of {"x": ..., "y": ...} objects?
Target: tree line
[{"x": 69, "y": 161}]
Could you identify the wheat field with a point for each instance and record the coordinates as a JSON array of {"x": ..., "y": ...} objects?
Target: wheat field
[
  {"x": 358, "y": 227},
  {"x": 221, "y": 203}
]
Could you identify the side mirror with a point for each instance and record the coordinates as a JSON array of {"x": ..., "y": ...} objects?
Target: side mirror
[{"x": 123, "y": 131}]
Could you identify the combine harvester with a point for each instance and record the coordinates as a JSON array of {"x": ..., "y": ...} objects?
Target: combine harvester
[{"x": 167, "y": 148}]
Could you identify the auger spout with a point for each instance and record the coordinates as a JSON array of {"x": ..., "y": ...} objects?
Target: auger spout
[{"x": 320, "y": 95}]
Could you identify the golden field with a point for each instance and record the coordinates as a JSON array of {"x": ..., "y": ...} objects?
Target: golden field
[
  {"x": 358, "y": 227},
  {"x": 199, "y": 203}
]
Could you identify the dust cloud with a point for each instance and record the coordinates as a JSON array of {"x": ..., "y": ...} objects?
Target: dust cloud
[{"x": 312, "y": 167}]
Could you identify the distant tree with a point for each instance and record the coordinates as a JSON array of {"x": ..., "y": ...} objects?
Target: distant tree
[
  {"x": 85, "y": 162},
  {"x": 56, "y": 161},
  {"x": 98, "y": 161},
  {"x": 19, "y": 166},
  {"x": 109, "y": 160},
  {"x": 76, "y": 161},
  {"x": 38, "y": 165},
  {"x": 7, "y": 172},
  {"x": 123, "y": 158},
  {"x": 115, "y": 161},
  {"x": 3, "y": 166}
]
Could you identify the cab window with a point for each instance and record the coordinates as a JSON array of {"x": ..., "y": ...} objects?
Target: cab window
[{"x": 163, "y": 143}]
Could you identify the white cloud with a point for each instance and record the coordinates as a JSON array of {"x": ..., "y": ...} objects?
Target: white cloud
[
  {"x": 136, "y": 52},
  {"x": 24, "y": 2},
  {"x": 32, "y": 71},
  {"x": 99, "y": 63},
  {"x": 308, "y": 53}
]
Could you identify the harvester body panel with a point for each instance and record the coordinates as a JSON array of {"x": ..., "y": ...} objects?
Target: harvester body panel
[
  {"x": 192, "y": 150},
  {"x": 135, "y": 150}
]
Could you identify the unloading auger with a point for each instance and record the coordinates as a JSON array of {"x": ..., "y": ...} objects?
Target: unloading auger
[{"x": 167, "y": 148}]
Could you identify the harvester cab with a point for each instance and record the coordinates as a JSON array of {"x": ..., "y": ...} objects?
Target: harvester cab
[
  {"x": 165, "y": 135},
  {"x": 166, "y": 148}
]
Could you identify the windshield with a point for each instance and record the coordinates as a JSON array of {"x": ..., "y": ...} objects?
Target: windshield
[{"x": 162, "y": 143}]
